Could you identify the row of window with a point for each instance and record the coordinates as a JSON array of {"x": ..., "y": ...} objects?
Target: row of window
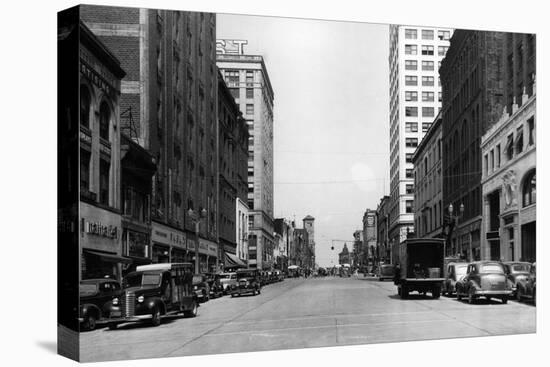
[
  {"x": 426, "y": 50},
  {"x": 235, "y": 92},
  {"x": 427, "y": 34},
  {"x": 412, "y": 80},
  {"x": 492, "y": 160},
  {"x": 412, "y": 127},
  {"x": 412, "y": 96},
  {"x": 426, "y": 65},
  {"x": 413, "y": 111}
]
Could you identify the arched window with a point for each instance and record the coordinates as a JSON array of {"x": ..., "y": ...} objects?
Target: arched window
[
  {"x": 85, "y": 101},
  {"x": 104, "y": 120},
  {"x": 530, "y": 189}
]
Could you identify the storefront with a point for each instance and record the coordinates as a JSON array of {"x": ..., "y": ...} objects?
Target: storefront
[
  {"x": 100, "y": 236},
  {"x": 169, "y": 244},
  {"x": 208, "y": 254},
  {"x": 136, "y": 246}
]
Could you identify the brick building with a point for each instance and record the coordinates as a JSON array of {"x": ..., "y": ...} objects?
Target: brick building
[
  {"x": 471, "y": 79},
  {"x": 168, "y": 105},
  {"x": 428, "y": 193},
  {"x": 233, "y": 158}
]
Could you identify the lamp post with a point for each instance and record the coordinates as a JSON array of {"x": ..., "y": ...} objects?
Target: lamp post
[
  {"x": 197, "y": 218},
  {"x": 454, "y": 218}
]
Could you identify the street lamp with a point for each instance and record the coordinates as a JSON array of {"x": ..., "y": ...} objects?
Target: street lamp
[
  {"x": 197, "y": 218},
  {"x": 454, "y": 218}
]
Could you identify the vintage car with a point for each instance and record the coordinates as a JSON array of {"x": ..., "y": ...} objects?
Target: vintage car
[
  {"x": 527, "y": 288},
  {"x": 154, "y": 291},
  {"x": 484, "y": 278},
  {"x": 248, "y": 281},
  {"x": 516, "y": 271},
  {"x": 454, "y": 272},
  {"x": 264, "y": 278},
  {"x": 214, "y": 284},
  {"x": 95, "y": 299},
  {"x": 385, "y": 271},
  {"x": 227, "y": 280},
  {"x": 201, "y": 288}
]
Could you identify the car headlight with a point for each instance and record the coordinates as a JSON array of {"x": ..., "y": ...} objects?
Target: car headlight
[
  {"x": 141, "y": 299},
  {"x": 115, "y": 301},
  {"x": 195, "y": 287}
]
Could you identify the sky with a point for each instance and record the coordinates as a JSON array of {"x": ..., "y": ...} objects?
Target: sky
[{"x": 331, "y": 123}]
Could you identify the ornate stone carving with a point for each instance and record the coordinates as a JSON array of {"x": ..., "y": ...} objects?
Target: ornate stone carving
[{"x": 509, "y": 189}]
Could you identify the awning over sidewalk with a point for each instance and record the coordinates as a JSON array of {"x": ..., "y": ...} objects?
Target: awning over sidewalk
[
  {"x": 109, "y": 257},
  {"x": 232, "y": 261}
]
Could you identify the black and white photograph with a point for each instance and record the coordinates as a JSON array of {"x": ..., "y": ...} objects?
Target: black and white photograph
[{"x": 236, "y": 182}]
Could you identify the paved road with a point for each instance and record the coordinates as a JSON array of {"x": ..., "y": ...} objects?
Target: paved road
[{"x": 316, "y": 312}]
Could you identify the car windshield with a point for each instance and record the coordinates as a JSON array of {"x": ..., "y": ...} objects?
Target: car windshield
[
  {"x": 520, "y": 268},
  {"x": 197, "y": 278},
  {"x": 461, "y": 269},
  {"x": 387, "y": 269},
  {"x": 225, "y": 276},
  {"x": 491, "y": 268},
  {"x": 141, "y": 279},
  {"x": 88, "y": 289}
]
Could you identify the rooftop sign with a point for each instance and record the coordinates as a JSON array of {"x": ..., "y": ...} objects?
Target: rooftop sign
[{"x": 233, "y": 47}]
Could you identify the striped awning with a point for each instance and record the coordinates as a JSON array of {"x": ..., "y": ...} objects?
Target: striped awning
[{"x": 232, "y": 261}]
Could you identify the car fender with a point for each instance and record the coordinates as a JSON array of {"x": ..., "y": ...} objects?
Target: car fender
[
  {"x": 152, "y": 303},
  {"x": 473, "y": 283},
  {"x": 90, "y": 309}
]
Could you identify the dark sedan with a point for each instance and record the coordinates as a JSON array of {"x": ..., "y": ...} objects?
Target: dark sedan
[
  {"x": 516, "y": 271},
  {"x": 95, "y": 297},
  {"x": 484, "y": 279},
  {"x": 201, "y": 287},
  {"x": 527, "y": 288}
]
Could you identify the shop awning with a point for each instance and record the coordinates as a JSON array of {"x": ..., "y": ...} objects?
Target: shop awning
[
  {"x": 109, "y": 257},
  {"x": 232, "y": 261}
]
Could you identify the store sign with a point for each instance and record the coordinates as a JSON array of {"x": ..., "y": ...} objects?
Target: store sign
[
  {"x": 232, "y": 47},
  {"x": 99, "y": 229},
  {"x": 167, "y": 236}
]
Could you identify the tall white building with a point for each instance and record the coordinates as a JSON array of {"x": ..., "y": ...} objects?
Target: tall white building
[
  {"x": 415, "y": 100},
  {"x": 247, "y": 79}
]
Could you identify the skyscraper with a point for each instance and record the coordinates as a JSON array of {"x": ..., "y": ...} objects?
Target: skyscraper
[
  {"x": 415, "y": 99},
  {"x": 248, "y": 81}
]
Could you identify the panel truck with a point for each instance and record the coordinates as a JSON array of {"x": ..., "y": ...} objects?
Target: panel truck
[{"x": 420, "y": 268}]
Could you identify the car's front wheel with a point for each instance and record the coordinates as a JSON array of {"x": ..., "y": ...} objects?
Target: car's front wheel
[
  {"x": 112, "y": 326},
  {"x": 504, "y": 300},
  {"x": 90, "y": 323},
  {"x": 155, "y": 317}
]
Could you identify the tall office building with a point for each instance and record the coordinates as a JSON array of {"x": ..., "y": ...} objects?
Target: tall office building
[
  {"x": 415, "y": 99},
  {"x": 248, "y": 81}
]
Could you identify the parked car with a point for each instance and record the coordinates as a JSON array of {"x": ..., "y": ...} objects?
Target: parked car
[
  {"x": 215, "y": 285},
  {"x": 95, "y": 298},
  {"x": 455, "y": 271},
  {"x": 248, "y": 281},
  {"x": 154, "y": 291},
  {"x": 228, "y": 280},
  {"x": 385, "y": 271},
  {"x": 264, "y": 278},
  {"x": 527, "y": 288},
  {"x": 516, "y": 271},
  {"x": 201, "y": 287},
  {"x": 484, "y": 278}
]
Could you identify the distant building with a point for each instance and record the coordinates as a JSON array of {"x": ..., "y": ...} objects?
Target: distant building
[
  {"x": 471, "y": 76},
  {"x": 370, "y": 238},
  {"x": 428, "y": 183},
  {"x": 309, "y": 226},
  {"x": 233, "y": 156},
  {"x": 508, "y": 149},
  {"x": 248, "y": 81},
  {"x": 357, "y": 255},
  {"x": 344, "y": 256},
  {"x": 283, "y": 230},
  {"x": 415, "y": 98},
  {"x": 382, "y": 225}
]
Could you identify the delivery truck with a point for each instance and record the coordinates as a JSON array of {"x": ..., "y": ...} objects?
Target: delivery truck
[{"x": 420, "y": 269}]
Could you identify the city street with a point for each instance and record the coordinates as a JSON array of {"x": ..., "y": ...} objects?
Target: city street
[{"x": 314, "y": 312}]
